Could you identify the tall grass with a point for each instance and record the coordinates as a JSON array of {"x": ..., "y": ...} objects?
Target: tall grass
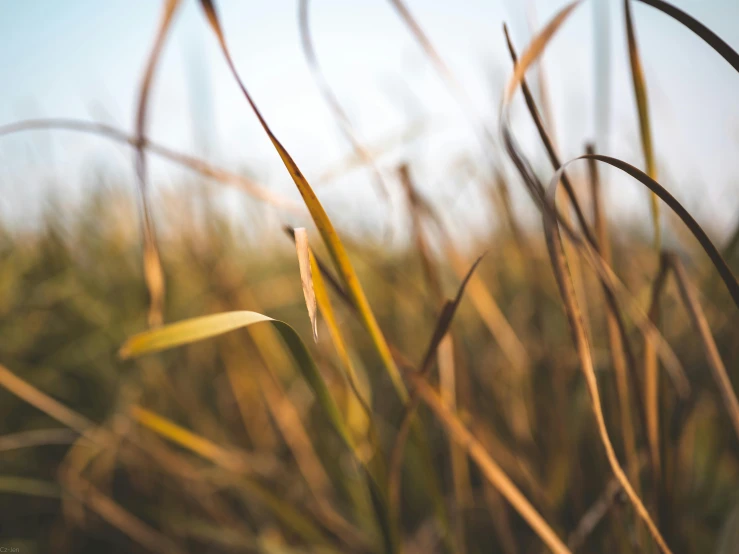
[{"x": 440, "y": 405}]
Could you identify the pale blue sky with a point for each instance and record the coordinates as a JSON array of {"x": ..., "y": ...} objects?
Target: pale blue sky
[{"x": 83, "y": 59}]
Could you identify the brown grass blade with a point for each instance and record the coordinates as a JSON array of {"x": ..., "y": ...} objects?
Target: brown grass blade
[
  {"x": 153, "y": 272},
  {"x": 651, "y": 378},
  {"x": 37, "y": 437},
  {"x": 43, "y": 402},
  {"x": 598, "y": 510},
  {"x": 306, "y": 277},
  {"x": 715, "y": 256},
  {"x": 711, "y": 38},
  {"x": 720, "y": 375},
  {"x": 548, "y": 143},
  {"x": 564, "y": 282},
  {"x": 613, "y": 326},
  {"x": 490, "y": 469},
  {"x": 552, "y": 220}
]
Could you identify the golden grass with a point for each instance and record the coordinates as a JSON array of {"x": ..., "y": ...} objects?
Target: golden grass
[{"x": 226, "y": 431}]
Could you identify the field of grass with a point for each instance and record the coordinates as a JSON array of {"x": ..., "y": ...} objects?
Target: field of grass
[{"x": 566, "y": 385}]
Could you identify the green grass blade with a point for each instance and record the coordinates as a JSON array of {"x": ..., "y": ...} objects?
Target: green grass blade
[{"x": 201, "y": 328}]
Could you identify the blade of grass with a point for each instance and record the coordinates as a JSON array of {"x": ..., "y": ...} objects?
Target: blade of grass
[
  {"x": 338, "y": 254},
  {"x": 240, "y": 464},
  {"x": 27, "y": 486},
  {"x": 559, "y": 263},
  {"x": 306, "y": 277},
  {"x": 642, "y": 106},
  {"x": 613, "y": 326},
  {"x": 651, "y": 379},
  {"x": 490, "y": 469},
  {"x": 153, "y": 272},
  {"x": 200, "y": 328},
  {"x": 323, "y": 223},
  {"x": 690, "y": 299},
  {"x": 711, "y": 38},
  {"x": 44, "y": 403},
  {"x": 714, "y": 255},
  {"x": 552, "y": 220},
  {"x": 228, "y": 459},
  {"x": 37, "y": 437}
]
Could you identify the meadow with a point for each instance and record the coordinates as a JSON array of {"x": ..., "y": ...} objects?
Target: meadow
[{"x": 169, "y": 383}]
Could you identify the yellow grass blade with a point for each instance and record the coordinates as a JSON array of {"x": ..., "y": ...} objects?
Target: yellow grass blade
[
  {"x": 179, "y": 435},
  {"x": 645, "y": 128},
  {"x": 200, "y": 328},
  {"x": 320, "y": 218}
]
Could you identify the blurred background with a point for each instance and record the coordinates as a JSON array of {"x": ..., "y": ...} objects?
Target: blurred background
[{"x": 208, "y": 447}]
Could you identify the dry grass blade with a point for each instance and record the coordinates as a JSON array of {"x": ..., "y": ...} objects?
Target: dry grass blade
[
  {"x": 614, "y": 325},
  {"x": 569, "y": 190},
  {"x": 320, "y": 218},
  {"x": 715, "y": 256},
  {"x": 534, "y": 50},
  {"x": 690, "y": 298},
  {"x": 597, "y": 511},
  {"x": 547, "y": 141},
  {"x": 492, "y": 471},
  {"x": 43, "y": 402},
  {"x": 651, "y": 377},
  {"x": 719, "y": 46},
  {"x": 153, "y": 272},
  {"x": 711, "y": 38},
  {"x": 642, "y": 106},
  {"x": 197, "y": 165},
  {"x": 564, "y": 282},
  {"x": 306, "y": 277},
  {"x": 620, "y": 345},
  {"x": 557, "y": 255}
]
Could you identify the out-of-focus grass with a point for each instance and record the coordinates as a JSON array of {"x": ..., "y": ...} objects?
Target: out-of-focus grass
[
  {"x": 232, "y": 432},
  {"x": 72, "y": 293}
]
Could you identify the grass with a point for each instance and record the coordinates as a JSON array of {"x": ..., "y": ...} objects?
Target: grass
[{"x": 335, "y": 395}]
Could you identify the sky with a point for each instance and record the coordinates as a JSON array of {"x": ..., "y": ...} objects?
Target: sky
[{"x": 84, "y": 58}]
